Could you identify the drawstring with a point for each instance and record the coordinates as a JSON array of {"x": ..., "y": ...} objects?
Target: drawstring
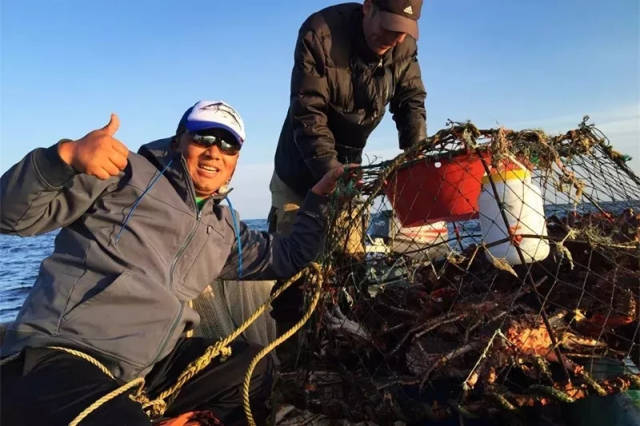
[
  {"x": 237, "y": 232},
  {"x": 236, "y": 229},
  {"x": 135, "y": 204}
]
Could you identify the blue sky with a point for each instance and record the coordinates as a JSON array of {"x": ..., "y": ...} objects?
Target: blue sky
[{"x": 521, "y": 64}]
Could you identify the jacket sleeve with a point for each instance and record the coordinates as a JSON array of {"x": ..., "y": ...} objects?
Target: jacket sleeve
[
  {"x": 407, "y": 104},
  {"x": 267, "y": 256},
  {"x": 309, "y": 103},
  {"x": 42, "y": 193}
]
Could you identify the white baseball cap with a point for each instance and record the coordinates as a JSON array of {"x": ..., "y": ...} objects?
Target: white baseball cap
[{"x": 206, "y": 115}]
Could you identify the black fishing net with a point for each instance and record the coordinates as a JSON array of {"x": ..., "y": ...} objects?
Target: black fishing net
[{"x": 499, "y": 270}]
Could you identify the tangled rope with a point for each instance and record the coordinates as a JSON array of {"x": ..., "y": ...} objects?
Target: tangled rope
[{"x": 315, "y": 269}]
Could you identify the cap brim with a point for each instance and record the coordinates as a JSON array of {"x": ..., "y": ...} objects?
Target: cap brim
[{"x": 394, "y": 22}]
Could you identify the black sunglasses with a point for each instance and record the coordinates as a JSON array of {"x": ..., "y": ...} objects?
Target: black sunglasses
[{"x": 230, "y": 148}]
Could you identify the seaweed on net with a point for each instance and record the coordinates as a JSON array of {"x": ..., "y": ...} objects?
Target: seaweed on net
[{"x": 444, "y": 327}]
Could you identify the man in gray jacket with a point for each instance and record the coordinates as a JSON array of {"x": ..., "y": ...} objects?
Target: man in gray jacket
[{"x": 142, "y": 235}]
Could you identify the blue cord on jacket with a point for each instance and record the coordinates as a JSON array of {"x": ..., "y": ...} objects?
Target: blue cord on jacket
[
  {"x": 135, "y": 204},
  {"x": 148, "y": 188}
]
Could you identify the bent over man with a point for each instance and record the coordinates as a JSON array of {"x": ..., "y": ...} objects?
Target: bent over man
[{"x": 351, "y": 61}]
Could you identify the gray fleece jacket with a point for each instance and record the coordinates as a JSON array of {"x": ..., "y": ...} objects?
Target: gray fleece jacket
[{"x": 132, "y": 252}]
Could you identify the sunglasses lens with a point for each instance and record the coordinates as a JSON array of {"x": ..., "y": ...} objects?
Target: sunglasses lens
[
  {"x": 209, "y": 140},
  {"x": 227, "y": 147}
]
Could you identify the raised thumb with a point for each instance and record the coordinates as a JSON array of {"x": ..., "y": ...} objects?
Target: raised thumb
[{"x": 112, "y": 127}]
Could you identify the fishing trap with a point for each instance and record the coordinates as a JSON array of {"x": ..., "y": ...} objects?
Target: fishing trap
[{"x": 499, "y": 272}]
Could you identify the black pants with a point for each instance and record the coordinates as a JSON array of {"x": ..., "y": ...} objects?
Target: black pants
[{"x": 49, "y": 387}]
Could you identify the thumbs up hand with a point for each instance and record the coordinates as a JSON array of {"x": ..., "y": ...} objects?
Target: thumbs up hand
[{"x": 97, "y": 153}]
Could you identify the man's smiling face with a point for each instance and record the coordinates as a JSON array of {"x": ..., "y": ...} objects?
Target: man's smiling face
[{"x": 209, "y": 167}]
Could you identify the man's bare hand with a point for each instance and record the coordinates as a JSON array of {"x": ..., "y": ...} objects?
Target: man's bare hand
[
  {"x": 327, "y": 184},
  {"x": 98, "y": 153}
]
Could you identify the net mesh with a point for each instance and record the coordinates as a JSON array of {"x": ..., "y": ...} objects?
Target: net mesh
[{"x": 500, "y": 269}]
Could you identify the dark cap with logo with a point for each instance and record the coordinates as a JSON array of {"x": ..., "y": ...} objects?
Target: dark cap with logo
[{"x": 400, "y": 15}]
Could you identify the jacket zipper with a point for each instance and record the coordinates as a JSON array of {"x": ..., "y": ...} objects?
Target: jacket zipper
[
  {"x": 380, "y": 68},
  {"x": 177, "y": 257}
]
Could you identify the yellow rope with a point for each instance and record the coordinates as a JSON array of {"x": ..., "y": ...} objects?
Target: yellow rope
[
  {"x": 84, "y": 356},
  {"x": 157, "y": 406},
  {"x": 247, "y": 378},
  {"x": 106, "y": 398},
  {"x": 122, "y": 389}
]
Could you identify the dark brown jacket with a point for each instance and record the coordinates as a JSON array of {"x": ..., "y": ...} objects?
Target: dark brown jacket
[{"x": 339, "y": 91}]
